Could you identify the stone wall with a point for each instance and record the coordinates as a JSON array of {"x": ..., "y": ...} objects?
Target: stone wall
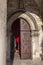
[{"x": 29, "y": 5}]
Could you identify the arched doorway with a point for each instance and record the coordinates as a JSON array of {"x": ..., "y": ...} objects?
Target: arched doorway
[
  {"x": 35, "y": 24},
  {"x": 21, "y": 30}
]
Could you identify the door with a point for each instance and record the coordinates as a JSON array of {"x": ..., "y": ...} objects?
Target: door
[{"x": 26, "y": 52}]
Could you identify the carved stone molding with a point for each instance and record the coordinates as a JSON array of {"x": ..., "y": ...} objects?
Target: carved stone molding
[{"x": 35, "y": 33}]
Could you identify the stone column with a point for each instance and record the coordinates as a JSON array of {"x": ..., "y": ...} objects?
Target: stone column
[
  {"x": 3, "y": 32},
  {"x": 35, "y": 44}
]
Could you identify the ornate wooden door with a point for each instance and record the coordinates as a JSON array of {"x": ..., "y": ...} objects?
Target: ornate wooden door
[{"x": 26, "y": 52}]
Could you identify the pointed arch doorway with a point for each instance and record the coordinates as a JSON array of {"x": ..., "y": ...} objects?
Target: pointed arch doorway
[{"x": 21, "y": 30}]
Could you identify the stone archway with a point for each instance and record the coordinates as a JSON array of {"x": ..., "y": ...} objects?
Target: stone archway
[
  {"x": 34, "y": 30},
  {"x": 11, "y": 20},
  {"x": 31, "y": 26}
]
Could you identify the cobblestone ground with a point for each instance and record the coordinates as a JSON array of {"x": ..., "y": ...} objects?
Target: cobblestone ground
[
  {"x": 18, "y": 61},
  {"x": 27, "y": 62}
]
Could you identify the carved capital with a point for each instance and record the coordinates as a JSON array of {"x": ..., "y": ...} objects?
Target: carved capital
[{"x": 35, "y": 33}]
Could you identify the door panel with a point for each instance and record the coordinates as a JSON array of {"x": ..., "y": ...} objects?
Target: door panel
[{"x": 26, "y": 52}]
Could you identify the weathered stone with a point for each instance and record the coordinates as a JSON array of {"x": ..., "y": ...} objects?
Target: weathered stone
[{"x": 3, "y": 25}]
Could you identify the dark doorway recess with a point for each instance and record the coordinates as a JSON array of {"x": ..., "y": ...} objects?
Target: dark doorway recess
[{"x": 15, "y": 35}]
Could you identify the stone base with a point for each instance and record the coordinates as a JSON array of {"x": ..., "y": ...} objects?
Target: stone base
[
  {"x": 36, "y": 57},
  {"x": 41, "y": 55}
]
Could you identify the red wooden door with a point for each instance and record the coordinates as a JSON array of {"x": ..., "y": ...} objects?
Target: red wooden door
[{"x": 26, "y": 52}]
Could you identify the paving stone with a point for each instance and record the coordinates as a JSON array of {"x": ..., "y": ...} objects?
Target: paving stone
[{"x": 18, "y": 61}]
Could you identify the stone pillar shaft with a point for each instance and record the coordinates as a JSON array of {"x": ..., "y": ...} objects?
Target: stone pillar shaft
[{"x": 3, "y": 32}]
